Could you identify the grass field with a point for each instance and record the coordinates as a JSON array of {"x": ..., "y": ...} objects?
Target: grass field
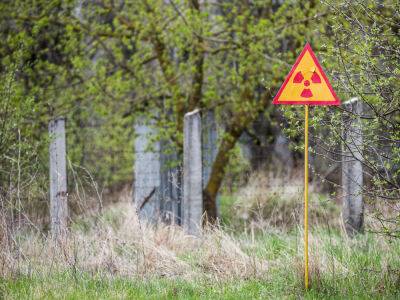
[
  {"x": 66, "y": 286},
  {"x": 259, "y": 256},
  {"x": 365, "y": 268}
]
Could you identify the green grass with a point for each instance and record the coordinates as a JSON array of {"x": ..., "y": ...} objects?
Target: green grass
[
  {"x": 64, "y": 286},
  {"x": 363, "y": 268}
]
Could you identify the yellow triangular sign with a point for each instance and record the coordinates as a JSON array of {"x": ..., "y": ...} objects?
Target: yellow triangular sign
[{"x": 306, "y": 83}]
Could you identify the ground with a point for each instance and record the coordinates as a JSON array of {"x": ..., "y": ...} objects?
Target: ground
[
  {"x": 257, "y": 253},
  {"x": 341, "y": 269}
]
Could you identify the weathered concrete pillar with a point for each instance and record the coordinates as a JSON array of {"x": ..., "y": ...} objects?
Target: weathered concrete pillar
[
  {"x": 192, "y": 174},
  {"x": 58, "y": 178},
  {"x": 147, "y": 172},
  {"x": 170, "y": 184},
  {"x": 352, "y": 168}
]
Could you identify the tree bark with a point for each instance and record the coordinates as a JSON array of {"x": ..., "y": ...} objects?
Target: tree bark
[
  {"x": 217, "y": 174},
  {"x": 240, "y": 122}
]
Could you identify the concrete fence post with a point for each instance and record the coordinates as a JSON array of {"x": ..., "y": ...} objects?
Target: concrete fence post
[
  {"x": 58, "y": 178},
  {"x": 192, "y": 174},
  {"x": 170, "y": 184},
  {"x": 352, "y": 168},
  {"x": 146, "y": 190}
]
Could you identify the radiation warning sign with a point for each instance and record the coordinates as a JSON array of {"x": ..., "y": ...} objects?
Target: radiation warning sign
[{"x": 306, "y": 83}]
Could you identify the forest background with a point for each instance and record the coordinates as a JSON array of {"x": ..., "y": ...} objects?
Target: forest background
[{"x": 106, "y": 64}]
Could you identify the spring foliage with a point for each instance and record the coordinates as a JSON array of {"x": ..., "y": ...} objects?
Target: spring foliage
[{"x": 101, "y": 64}]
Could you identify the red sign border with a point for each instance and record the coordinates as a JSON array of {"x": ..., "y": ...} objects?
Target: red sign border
[{"x": 309, "y": 102}]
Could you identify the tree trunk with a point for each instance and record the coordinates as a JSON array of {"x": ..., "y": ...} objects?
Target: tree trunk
[
  {"x": 240, "y": 122},
  {"x": 218, "y": 172}
]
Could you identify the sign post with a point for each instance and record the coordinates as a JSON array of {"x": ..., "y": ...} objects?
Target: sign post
[
  {"x": 306, "y": 196},
  {"x": 306, "y": 84}
]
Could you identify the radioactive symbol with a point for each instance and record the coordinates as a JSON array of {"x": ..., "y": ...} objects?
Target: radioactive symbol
[
  {"x": 299, "y": 78},
  {"x": 306, "y": 83}
]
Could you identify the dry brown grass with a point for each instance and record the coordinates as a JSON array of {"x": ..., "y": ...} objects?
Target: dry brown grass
[
  {"x": 115, "y": 243},
  {"x": 118, "y": 243},
  {"x": 268, "y": 202},
  {"x": 382, "y": 217}
]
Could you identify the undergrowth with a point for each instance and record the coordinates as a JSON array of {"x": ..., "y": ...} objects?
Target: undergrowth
[
  {"x": 114, "y": 255},
  {"x": 362, "y": 268}
]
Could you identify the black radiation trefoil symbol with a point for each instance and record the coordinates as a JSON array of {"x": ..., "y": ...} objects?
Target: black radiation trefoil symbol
[{"x": 299, "y": 78}]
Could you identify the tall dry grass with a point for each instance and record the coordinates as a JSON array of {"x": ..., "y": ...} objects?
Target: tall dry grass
[
  {"x": 268, "y": 201},
  {"x": 116, "y": 242}
]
